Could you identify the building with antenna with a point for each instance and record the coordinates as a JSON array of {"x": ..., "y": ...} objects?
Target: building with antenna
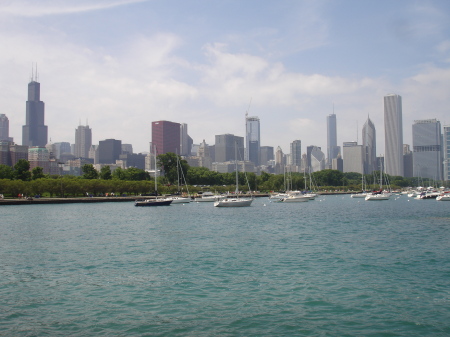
[
  {"x": 34, "y": 132},
  {"x": 83, "y": 141}
]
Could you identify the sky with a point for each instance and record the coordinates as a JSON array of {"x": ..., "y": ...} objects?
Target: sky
[{"x": 118, "y": 65}]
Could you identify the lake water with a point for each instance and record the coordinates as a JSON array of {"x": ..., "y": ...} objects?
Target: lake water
[{"x": 334, "y": 266}]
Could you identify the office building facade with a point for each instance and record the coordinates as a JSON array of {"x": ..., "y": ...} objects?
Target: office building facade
[
  {"x": 34, "y": 132},
  {"x": 166, "y": 137},
  {"x": 446, "y": 143},
  {"x": 266, "y": 154},
  {"x": 332, "y": 148},
  {"x": 354, "y": 156},
  {"x": 252, "y": 140},
  {"x": 393, "y": 133},
  {"x": 427, "y": 149},
  {"x": 225, "y": 148},
  {"x": 83, "y": 141},
  {"x": 369, "y": 143},
  {"x": 296, "y": 153},
  {"x": 4, "y": 128},
  {"x": 109, "y": 150}
]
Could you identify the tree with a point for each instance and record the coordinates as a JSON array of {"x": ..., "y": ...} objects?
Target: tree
[
  {"x": 22, "y": 170},
  {"x": 89, "y": 172},
  {"x": 6, "y": 172},
  {"x": 37, "y": 173},
  {"x": 170, "y": 163},
  {"x": 105, "y": 173}
]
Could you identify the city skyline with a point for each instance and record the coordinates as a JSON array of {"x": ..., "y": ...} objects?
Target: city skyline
[{"x": 126, "y": 64}]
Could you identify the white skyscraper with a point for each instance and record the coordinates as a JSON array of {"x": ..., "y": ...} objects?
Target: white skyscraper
[{"x": 393, "y": 133}]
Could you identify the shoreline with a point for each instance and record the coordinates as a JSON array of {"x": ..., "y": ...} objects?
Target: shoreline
[{"x": 37, "y": 201}]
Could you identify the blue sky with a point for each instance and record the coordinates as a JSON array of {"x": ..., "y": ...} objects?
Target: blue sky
[{"x": 121, "y": 64}]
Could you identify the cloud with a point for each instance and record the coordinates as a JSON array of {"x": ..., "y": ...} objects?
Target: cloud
[{"x": 51, "y": 7}]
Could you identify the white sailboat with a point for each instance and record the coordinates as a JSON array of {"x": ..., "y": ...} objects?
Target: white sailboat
[
  {"x": 177, "y": 199},
  {"x": 157, "y": 201},
  {"x": 234, "y": 201},
  {"x": 379, "y": 195}
]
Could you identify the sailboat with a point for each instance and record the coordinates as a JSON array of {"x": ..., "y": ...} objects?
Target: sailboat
[
  {"x": 157, "y": 201},
  {"x": 180, "y": 199},
  {"x": 234, "y": 201},
  {"x": 379, "y": 195}
]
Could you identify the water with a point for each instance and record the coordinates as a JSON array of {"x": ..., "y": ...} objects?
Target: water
[{"x": 335, "y": 266}]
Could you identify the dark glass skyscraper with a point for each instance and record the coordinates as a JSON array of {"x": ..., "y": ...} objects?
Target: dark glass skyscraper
[{"x": 34, "y": 132}]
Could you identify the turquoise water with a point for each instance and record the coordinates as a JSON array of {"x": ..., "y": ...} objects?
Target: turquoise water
[{"x": 335, "y": 266}]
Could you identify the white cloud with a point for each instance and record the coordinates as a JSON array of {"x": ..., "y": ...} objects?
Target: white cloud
[{"x": 50, "y": 7}]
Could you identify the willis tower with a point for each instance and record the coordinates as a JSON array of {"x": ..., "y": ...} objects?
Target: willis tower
[{"x": 34, "y": 132}]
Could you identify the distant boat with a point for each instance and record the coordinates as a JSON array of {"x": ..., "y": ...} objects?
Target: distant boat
[
  {"x": 156, "y": 201},
  {"x": 444, "y": 197},
  {"x": 296, "y": 197},
  {"x": 234, "y": 201},
  {"x": 209, "y": 197}
]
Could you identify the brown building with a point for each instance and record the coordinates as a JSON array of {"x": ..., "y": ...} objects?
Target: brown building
[{"x": 166, "y": 137}]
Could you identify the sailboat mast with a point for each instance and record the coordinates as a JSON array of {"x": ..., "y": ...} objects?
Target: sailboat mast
[{"x": 237, "y": 176}]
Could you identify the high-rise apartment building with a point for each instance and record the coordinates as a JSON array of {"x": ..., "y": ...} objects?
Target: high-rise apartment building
[
  {"x": 446, "y": 141},
  {"x": 296, "y": 153},
  {"x": 427, "y": 149},
  {"x": 4, "y": 128},
  {"x": 225, "y": 148},
  {"x": 34, "y": 132},
  {"x": 332, "y": 148},
  {"x": 253, "y": 140},
  {"x": 369, "y": 143},
  {"x": 83, "y": 141},
  {"x": 166, "y": 137},
  {"x": 393, "y": 133}
]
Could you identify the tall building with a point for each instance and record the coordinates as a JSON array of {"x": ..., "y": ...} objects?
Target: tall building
[
  {"x": 407, "y": 161},
  {"x": 354, "y": 155},
  {"x": 266, "y": 154},
  {"x": 279, "y": 161},
  {"x": 317, "y": 159},
  {"x": 332, "y": 148},
  {"x": 109, "y": 150},
  {"x": 185, "y": 141},
  {"x": 83, "y": 141},
  {"x": 225, "y": 148},
  {"x": 296, "y": 153},
  {"x": 446, "y": 138},
  {"x": 166, "y": 136},
  {"x": 393, "y": 133},
  {"x": 34, "y": 132},
  {"x": 427, "y": 149},
  {"x": 369, "y": 143},
  {"x": 253, "y": 140},
  {"x": 4, "y": 128}
]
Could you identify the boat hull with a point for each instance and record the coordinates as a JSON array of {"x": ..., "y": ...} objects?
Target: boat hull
[
  {"x": 153, "y": 202},
  {"x": 233, "y": 202}
]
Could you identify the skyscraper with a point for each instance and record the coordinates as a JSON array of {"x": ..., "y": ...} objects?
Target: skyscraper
[
  {"x": 296, "y": 153},
  {"x": 369, "y": 142},
  {"x": 393, "y": 133},
  {"x": 4, "y": 128},
  {"x": 109, "y": 150},
  {"x": 446, "y": 152},
  {"x": 353, "y": 157},
  {"x": 266, "y": 154},
  {"x": 253, "y": 141},
  {"x": 83, "y": 141},
  {"x": 166, "y": 137},
  {"x": 225, "y": 147},
  {"x": 332, "y": 148},
  {"x": 427, "y": 149},
  {"x": 185, "y": 141},
  {"x": 34, "y": 132}
]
